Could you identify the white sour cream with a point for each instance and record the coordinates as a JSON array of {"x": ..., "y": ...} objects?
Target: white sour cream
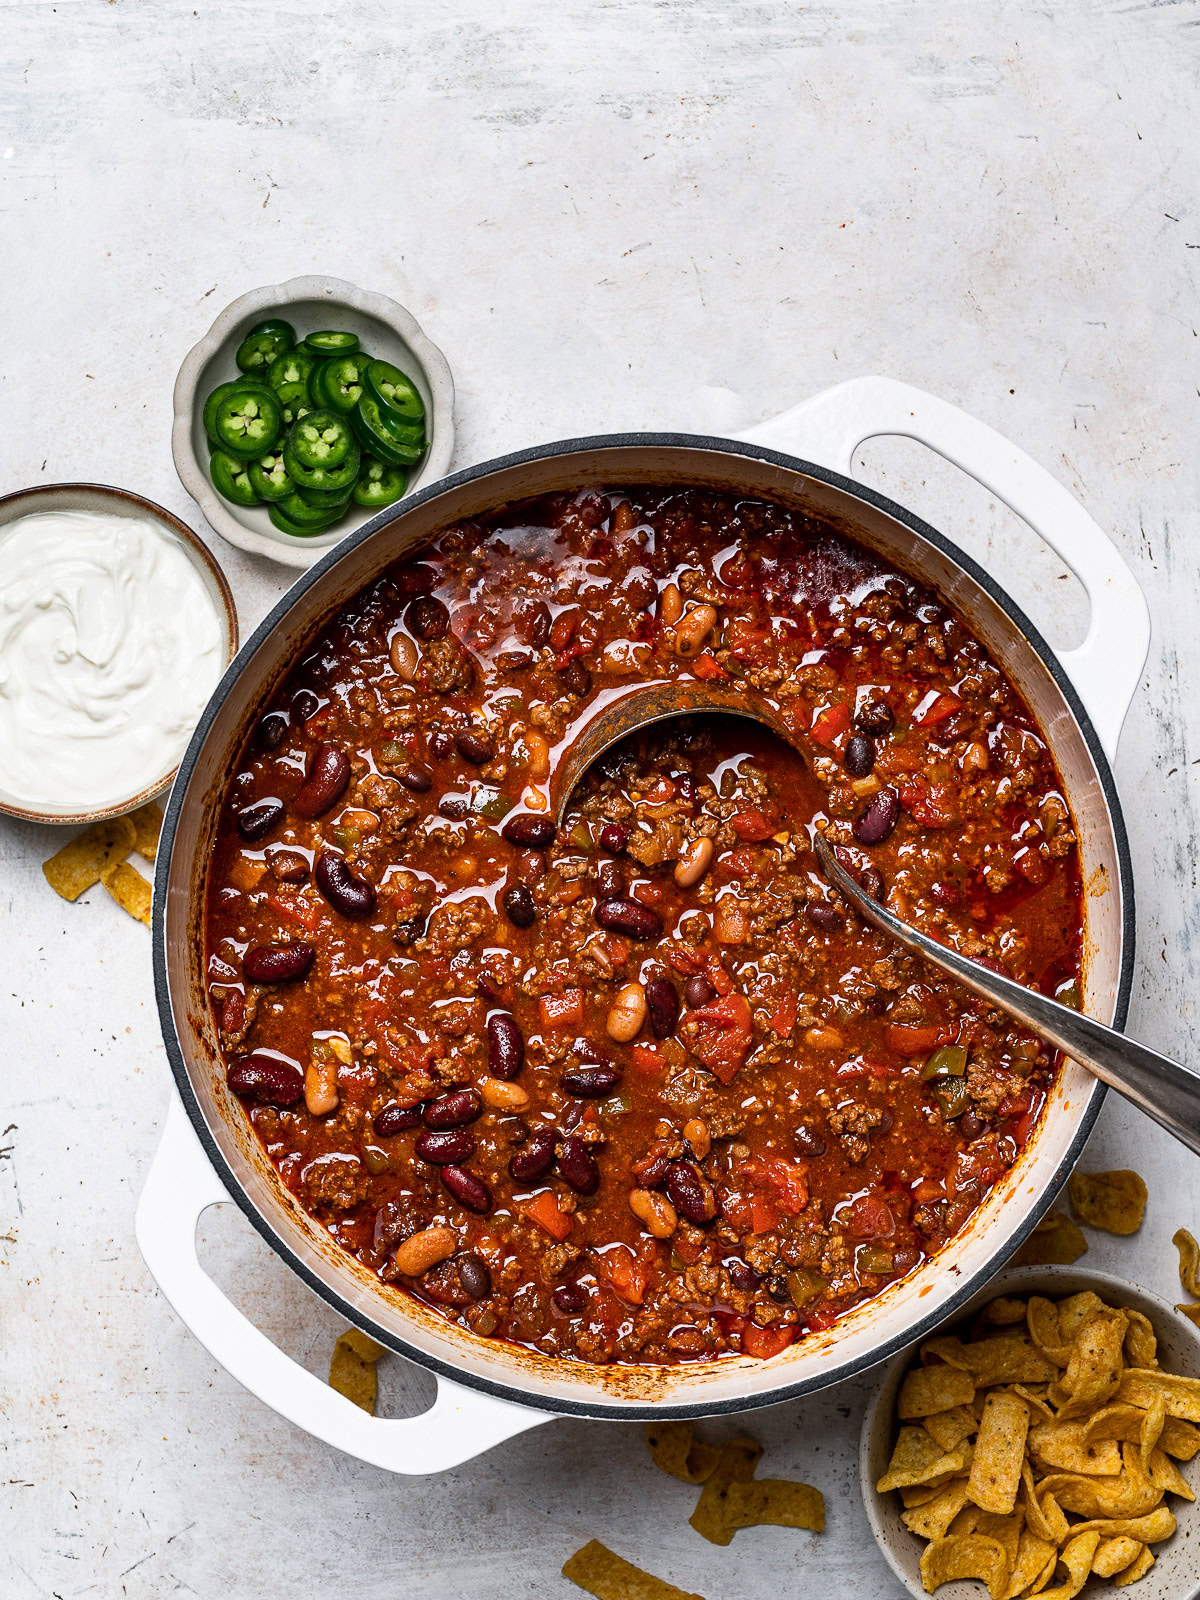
[{"x": 109, "y": 647}]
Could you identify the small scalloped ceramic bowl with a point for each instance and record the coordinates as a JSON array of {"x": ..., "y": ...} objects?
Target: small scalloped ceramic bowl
[
  {"x": 383, "y": 326},
  {"x": 1175, "y": 1574}
]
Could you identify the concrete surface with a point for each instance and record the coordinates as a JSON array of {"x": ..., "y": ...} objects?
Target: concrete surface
[{"x": 610, "y": 215}]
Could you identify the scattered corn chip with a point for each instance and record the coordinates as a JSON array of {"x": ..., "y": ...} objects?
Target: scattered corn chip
[
  {"x": 967, "y": 1555},
  {"x": 79, "y": 865},
  {"x": 1002, "y": 1311},
  {"x": 736, "y": 1461},
  {"x": 350, "y": 1375},
  {"x": 678, "y": 1454},
  {"x": 1141, "y": 1347},
  {"x": 1139, "y": 1387},
  {"x": 775, "y": 1502},
  {"x": 1189, "y": 1261},
  {"x": 608, "y": 1576},
  {"x": 1063, "y": 1447},
  {"x": 1042, "y": 1319},
  {"x": 1094, "y": 1369},
  {"x": 129, "y": 889},
  {"x": 147, "y": 824},
  {"x": 1056, "y": 1241},
  {"x": 1155, "y": 1525},
  {"x": 1114, "y": 1201},
  {"x": 1154, "y": 1420},
  {"x": 927, "y": 1390},
  {"x": 366, "y": 1348}
]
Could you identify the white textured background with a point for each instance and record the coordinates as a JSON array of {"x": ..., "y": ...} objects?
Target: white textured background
[{"x": 610, "y": 214}]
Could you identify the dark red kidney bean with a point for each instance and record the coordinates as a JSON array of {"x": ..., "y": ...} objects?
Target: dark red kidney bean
[
  {"x": 454, "y": 807},
  {"x": 453, "y": 1110},
  {"x": 467, "y": 1189},
  {"x": 880, "y": 817},
  {"x": 352, "y": 896},
  {"x": 531, "y": 867},
  {"x": 698, "y": 991},
  {"x": 396, "y": 1119},
  {"x": 685, "y": 788},
  {"x": 876, "y": 718},
  {"x": 473, "y": 1274},
  {"x": 630, "y": 918},
  {"x": 529, "y": 831},
  {"x": 569, "y": 1297},
  {"x": 577, "y": 1166},
  {"x": 256, "y": 820},
  {"x": 662, "y": 1002},
  {"x": 591, "y": 1083},
  {"x": 807, "y": 1141},
  {"x": 305, "y": 704},
  {"x": 506, "y": 1047},
  {"x": 262, "y": 1078},
  {"x": 575, "y": 678},
  {"x": 610, "y": 880},
  {"x": 519, "y": 905},
  {"x": 328, "y": 776},
  {"x": 415, "y": 778},
  {"x": 859, "y": 758},
  {"x": 278, "y": 963},
  {"x": 822, "y": 915},
  {"x": 428, "y": 618},
  {"x": 872, "y": 883},
  {"x": 614, "y": 837},
  {"x": 690, "y": 1192},
  {"x": 473, "y": 747},
  {"x": 651, "y": 1169},
  {"x": 741, "y": 1274},
  {"x": 273, "y": 729},
  {"x": 442, "y": 1147},
  {"x": 535, "y": 1157},
  {"x": 531, "y": 618},
  {"x": 944, "y": 894},
  {"x": 440, "y": 743}
]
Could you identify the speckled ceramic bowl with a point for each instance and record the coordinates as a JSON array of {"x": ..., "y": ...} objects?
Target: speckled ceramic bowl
[
  {"x": 383, "y": 326},
  {"x": 99, "y": 497},
  {"x": 1175, "y": 1574}
]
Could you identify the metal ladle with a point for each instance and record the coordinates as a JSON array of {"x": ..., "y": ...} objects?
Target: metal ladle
[{"x": 1164, "y": 1089}]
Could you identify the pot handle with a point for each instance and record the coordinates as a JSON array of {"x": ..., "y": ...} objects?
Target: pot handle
[
  {"x": 1107, "y": 666},
  {"x": 181, "y": 1185}
]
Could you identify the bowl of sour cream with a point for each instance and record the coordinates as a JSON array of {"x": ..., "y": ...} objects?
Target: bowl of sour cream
[{"x": 116, "y": 624}]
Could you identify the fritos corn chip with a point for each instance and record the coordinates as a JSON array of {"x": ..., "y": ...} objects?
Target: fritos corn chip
[
  {"x": 1113, "y": 1201},
  {"x": 678, "y": 1454},
  {"x": 353, "y": 1376},
  {"x": 608, "y": 1576},
  {"x": 147, "y": 825},
  {"x": 129, "y": 889},
  {"x": 995, "y": 1472},
  {"x": 1056, "y": 1241},
  {"x": 927, "y": 1390},
  {"x": 736, "y": 1462},
  {"x": 1189, "y": 1261},
  {"x": 79, "y": 865},
  {"x": 775, "y": 1502},
  {"x": 965, "y": 1555}
]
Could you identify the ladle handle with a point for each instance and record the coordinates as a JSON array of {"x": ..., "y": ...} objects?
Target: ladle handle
[
  {"x": 829, "y": 428},
  {"x": 1162, "y": 1088}
]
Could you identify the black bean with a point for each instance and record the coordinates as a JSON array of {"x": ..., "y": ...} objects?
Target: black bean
[
  {"x": 443, "y": 1147},
  {"x": 971, "y": 1125},
  {"x": 467, "y": 1189},
  {"x": 352, "y": 896},
  {"x": 569, "y": 1297},
  {"x": 256, "y": 820},
  {"x": 536, "y": 1156},
  {"x": 396, "y": 1119},
  {"x": 613, "y": 837},
  {"x": 880, "y": 817},
  {"x": 610, "y": 880},
  {"x": 278, "y": 963},
  {"x": 690, "y": 1192},
  {"x": 428, "y": 618},
  {"x": 575, "y": 678},
  {"x": 590, "y": 1082},
  {"x": 263, "y": 1078},
  {"x": 519, "y": 905},
  {"x": 662, "y": 1002},
  {"x": 506, "y": 1047},
  {"x": 698, "y": 991},
  {"x": 807, "y": 1141},
  {"x": 577, "y": 1165},
  {"x": 777, "y": 1288},
  {"x": 305, "y": 704},
  {"x": 473, "y": 1274},
  {"x": 859, "y": 758},
  {"x": 455, "y": 807},
  {"x": 272, "y": 730},
  {"x": 417, "y": 779},
  {"x": 473, "y": 747},
  {"x": 876, "y": 718},
  {"x": 532, "y": 621},
  {"x": 529, "y": 830},
  {"x": 328, "y": 776},
  {"x": 823, "y": 915},
  {"x": 741, "y": 1274},
  {"x": 440, "y": 743},
  {"x": 453, "y": 1110},
  {"x": 630, "y": 918}
]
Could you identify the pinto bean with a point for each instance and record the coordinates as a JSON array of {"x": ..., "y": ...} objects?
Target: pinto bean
[
  {"x": 693, "y": 629},
  {"x": 670, "y": 605},
  {"x": 591, "y": 1081},
  {"x": 627, "y": 1013},
  {"x": 353, "y": 897},
  {"x": 506, "y": 1046},
  {"x": 402, "y": 653},
  {"x": 278, "y": 963},
  {"x": 423, "y": 1250},
  {"x": 519, "y": 905},
  {"x": 395, "y": 1119},
  {"x": 474, "y": 747},
  {"x": 698, "y": 1137},
  {"x": 467, "y": 1189},
  {"x": 428, "y": 618},
  {"x": 501, "y": 1096},
  {"x": 453, "y": 1110},
  {"x": 730, "y": 925},
  {"x": 263, "y": 1078},
  {"x": 529, "y": 831},
  {"x": 694, "y": 861},
  {"x": 321, "y": 1086},
  {"x": 442, "y": 1147},
  {"x": 537, "y": 751},
  {"x": 880, "y": 817},
  {"x": 577, "y": 1165},
  {"x": 328, "y": 777},
  {"x": 473, "y": 1274},
  {"x": 535, "y": 1157},
  {"x": 257, "y": 820},
  {"x": 630, "y": 918},
  {"x": 662, "y": 999},
  {"x": 655, "y": 1211},
  {"x": 690, "y": 1192}
]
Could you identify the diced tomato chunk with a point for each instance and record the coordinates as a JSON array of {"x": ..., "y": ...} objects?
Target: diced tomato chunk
[
  {"x": 304, "y": 913},
  {"x": 685, "y": 961},
  {"x": 720, "y": 1034},
  {"x": 831, "y": 724},
  {"x": 783, "y": 1019},
  {"x": 647, "y": 1057},
  {"x": 544, "y": 1210},
  {"x": 708, "y": 668},
  {"x": 870, "y": 1218},
  {"x": 717, "y": 976},
  {"x": 766, "y": 1342},
  {"x": 935, "y": 708},
  {"x": 628, "y": 1274},
  {"x": 751, "y": 825},
  {"x": 934, "y": 805},
  {"x": 915, "y": 1039},
  {"x": 561, "y": 1010}
]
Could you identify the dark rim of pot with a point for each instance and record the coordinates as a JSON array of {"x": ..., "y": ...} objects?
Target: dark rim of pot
[{"x": 620, "y": 1410}]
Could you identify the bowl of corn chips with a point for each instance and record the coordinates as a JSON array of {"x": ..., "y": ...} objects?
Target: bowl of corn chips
[{"x": 1039, "y": 1446}]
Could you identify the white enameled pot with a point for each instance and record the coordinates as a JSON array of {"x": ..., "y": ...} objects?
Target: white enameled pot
[{"x": 489, "y": 1391}]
